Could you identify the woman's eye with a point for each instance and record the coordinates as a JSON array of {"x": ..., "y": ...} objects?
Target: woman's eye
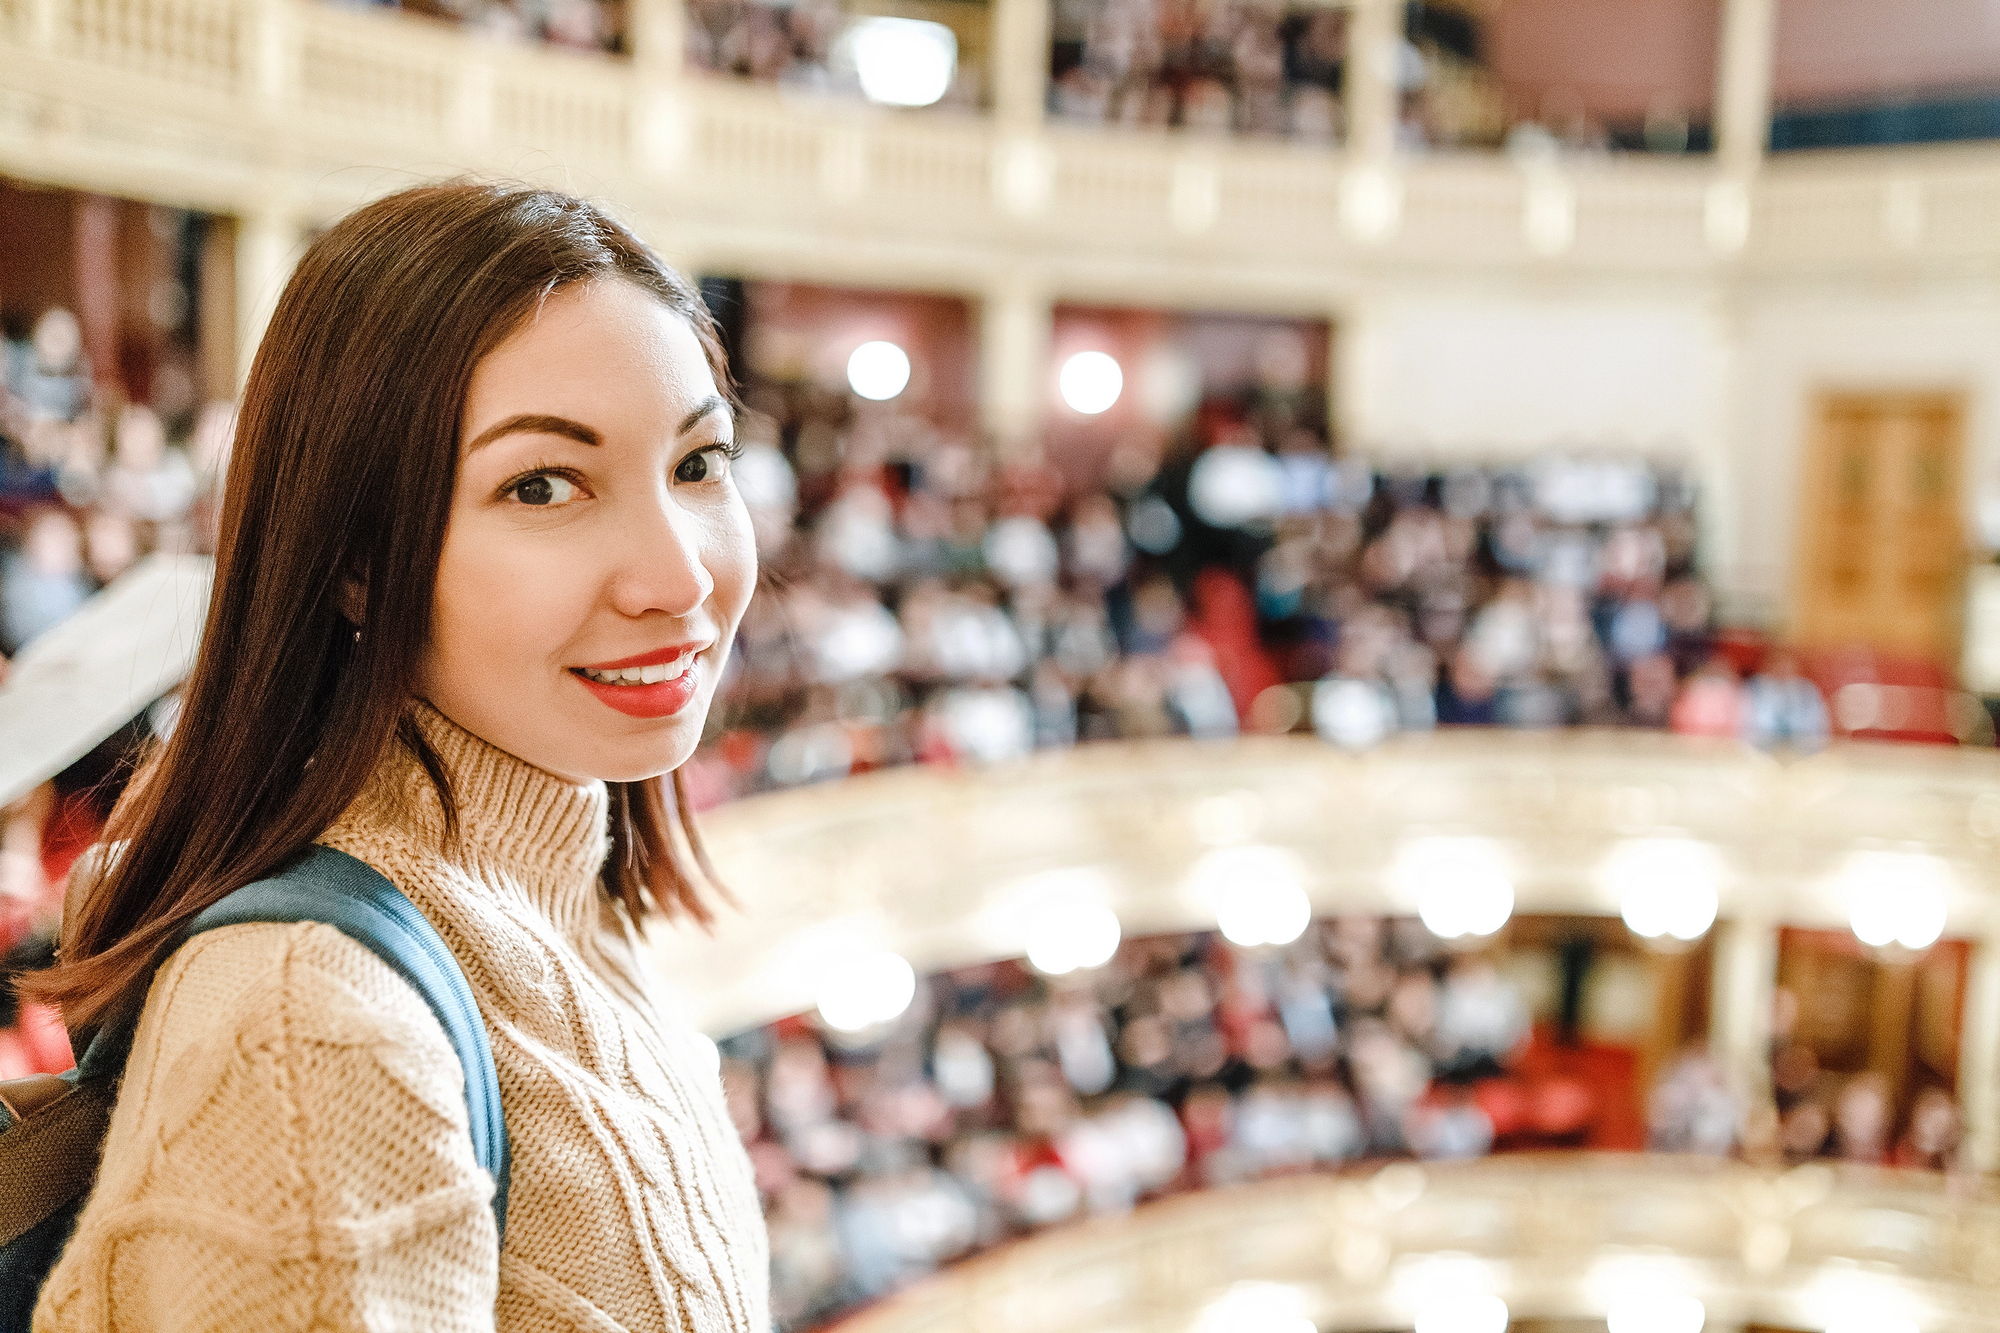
[
  {"x": 544, "y": 489},
  {"x": 710, "y": 464}
]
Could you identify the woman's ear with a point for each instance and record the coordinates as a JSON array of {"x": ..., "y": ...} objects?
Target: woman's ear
[{"x": 352, "y": 599}]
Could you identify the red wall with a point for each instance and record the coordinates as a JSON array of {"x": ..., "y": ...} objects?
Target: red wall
[
  {"x": 1616, "y": 58},
  {"x": 1858, "y": 50}
]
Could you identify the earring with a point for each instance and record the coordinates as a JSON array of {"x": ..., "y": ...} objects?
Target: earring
[{"x": 357, "y": 636}]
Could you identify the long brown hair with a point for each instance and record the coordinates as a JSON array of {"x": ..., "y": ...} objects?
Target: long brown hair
[{"x": 346, "y": 451}]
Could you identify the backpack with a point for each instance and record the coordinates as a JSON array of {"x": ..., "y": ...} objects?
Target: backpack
[{"x": 52, "y": 1127}]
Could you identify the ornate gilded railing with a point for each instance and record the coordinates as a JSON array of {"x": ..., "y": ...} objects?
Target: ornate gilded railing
[
  {"x": 245, "y": 105},
  {"x": 1559, "y": 1237},
  {"x": 922, "y": 859}
]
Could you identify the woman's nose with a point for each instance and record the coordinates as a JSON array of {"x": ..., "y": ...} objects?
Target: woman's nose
[{"x": 661, "y": 565}]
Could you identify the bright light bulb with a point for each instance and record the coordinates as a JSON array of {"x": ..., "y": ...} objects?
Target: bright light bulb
[
  {"x": 1090, "y": 382},
  {"x": 1896, "y": 897},
  {"x": 901, "y": 62},
  {"x": 1071, "y": 936},
  {"x": 878, "y": 371},
  {"x": 1656, "y": 1312},
  {"x": 858, "y": 991},
  {"x": 1870, "y": 1322},
  {"x": 1256, "y": 1307},
  {"x": 1665, "y": 886},
  {"x": 1460, "y": 885},
  {"x": 1462, "y": 1314},
  {"x": 1257, "y": 893}
]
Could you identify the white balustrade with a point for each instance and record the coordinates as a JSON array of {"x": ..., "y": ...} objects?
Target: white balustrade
[{"x": 224, "y": 103}]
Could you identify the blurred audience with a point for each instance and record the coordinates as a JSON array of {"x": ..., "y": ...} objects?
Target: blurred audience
[
  {"x": 585, "y": 25},
  {"x": 924, "y": 604},
  {"x": 797, "y": 45},
  {"x": 88, "y": 485},
  {"x": 1275, "y": 68},
  {"x": 1004, "y": 1101}
]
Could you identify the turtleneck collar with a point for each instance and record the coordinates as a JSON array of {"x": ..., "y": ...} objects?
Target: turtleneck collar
[{"x": 546, "y": 834}]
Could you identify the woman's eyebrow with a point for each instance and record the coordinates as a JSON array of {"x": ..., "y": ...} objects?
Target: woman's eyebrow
[
  {"x": 535, "y": 423},
  {"x": 702, "y": 409}
]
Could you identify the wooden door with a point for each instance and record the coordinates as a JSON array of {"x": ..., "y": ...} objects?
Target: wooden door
[{"x": 1882, "y": 541}]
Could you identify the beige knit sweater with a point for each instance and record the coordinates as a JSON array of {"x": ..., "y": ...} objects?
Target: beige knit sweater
[{"x": 290, "y": 1148}]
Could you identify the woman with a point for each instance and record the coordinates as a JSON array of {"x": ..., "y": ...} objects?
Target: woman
[{"x": 481, "y": 563}]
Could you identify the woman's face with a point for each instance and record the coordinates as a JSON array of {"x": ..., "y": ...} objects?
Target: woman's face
[{"x": 597, "y": 558}]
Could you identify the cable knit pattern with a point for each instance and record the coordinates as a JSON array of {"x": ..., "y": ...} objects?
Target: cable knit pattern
[{"x": 290, "y": 1150}]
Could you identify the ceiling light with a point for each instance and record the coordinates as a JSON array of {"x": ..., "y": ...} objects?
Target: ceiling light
[
  {"x": 1460, "y": 885},
  {"x": 1256, "y": 892},
  {"x": 901, "y": 62},
  {"x": 878, "y": 371},
  {"x": 1454, "y": 1313},
  {"x": 1064, "y": 921},
  {"x": 1896, "y": 897},
  {"x": 1656, "y": 1312},
  {"x": 1090, "y": 382},
  {"x": 1256, "y": 1307},
  {"x": 1666, "y": 887},
  {"x": 861, "y": 990}
]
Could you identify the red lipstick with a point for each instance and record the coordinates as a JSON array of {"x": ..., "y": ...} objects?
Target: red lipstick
[{"x": 651, "y": 699}]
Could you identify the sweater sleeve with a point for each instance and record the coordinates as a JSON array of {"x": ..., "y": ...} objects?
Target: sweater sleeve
[{"x": 289, "y": 1151}]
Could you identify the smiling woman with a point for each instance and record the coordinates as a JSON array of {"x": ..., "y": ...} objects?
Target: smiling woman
[
  {"x": 482, "y": 561},
  {"x": 594, "y": 495}
]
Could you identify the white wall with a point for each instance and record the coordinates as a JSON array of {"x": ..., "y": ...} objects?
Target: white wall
[
  {"x": 1480, "y": 377},
  {"x": 1787, "y": 347},
  {"x": 1723, "y": 389}
]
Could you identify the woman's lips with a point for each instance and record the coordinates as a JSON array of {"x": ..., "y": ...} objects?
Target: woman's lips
[{"x": 645, "y": 699}]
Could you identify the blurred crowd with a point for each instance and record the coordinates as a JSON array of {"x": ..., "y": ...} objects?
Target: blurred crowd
[
  {"x": 922, "y": 604},
  {"x": 583, "y": 25},
  {"x": 1255, "y": 68},
  {"x": 1855, "y": 1116},
  {"x": 1275, "y": 67},
  {"x": 1004, "y": 1101},
  {"x": 796, "y": 45},
  {"x": 790, "y": 45},
  {"x": 88, "y": 485}
]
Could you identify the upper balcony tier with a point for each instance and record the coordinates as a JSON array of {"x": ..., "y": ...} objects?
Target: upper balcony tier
[{"x": 287, "y": 108}]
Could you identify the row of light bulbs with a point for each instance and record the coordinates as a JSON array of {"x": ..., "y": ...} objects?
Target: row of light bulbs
[
  {"x": 1089, "y": 382},
  {"x": 1273, "y": 1307},
  {"x": 1668, "y": 889}
]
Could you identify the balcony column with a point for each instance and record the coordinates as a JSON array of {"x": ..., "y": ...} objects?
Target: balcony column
[
  {"x": 1014, "y": 318},
  {"x": 1020, "y": 69},
  {"x": 268, "y": 243},
  {"x": 657, "y": 37},
  {"x": 1373, "y": 100},
  {"x": 1743, "y": 85},
  {"x": 1979, "y": 1056},
  {"x": 1744, "y": 987},
  {"x": 658, "y": 41}
]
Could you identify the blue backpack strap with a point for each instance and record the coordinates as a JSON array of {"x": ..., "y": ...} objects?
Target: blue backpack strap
[{"x": 354, "y": 898}]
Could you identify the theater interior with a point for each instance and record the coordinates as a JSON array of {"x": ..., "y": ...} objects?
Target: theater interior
[{"x": 1372, "y": 701}]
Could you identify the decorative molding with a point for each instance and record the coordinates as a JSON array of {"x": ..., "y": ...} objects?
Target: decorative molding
[
  {"x": 220, "y": 104},
  {"x": 1556, "y": 1237},
  {"x": 921, "y": 860}
]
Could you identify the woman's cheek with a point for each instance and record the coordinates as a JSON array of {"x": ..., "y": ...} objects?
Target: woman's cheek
[{"x": 739, "y": 560}]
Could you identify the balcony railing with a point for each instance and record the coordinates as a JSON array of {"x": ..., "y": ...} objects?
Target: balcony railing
[
  {"x": 247, "y": 105},
  {"x": 1559, "y": 1237}
]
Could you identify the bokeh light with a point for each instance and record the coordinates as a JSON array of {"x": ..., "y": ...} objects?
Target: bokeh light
[
  {"x": 878, "y": 370},
  {"x": 865, "y": 989},
  {"x": 1666, "y": 887},
  {"x": 1896, "y": 897},
  {"x": 1090, "y": 382},
  {"x": 1460, "y": 885},
  {"x": 1257, "y": 893},
  {"x": 902, "y": 62}
]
